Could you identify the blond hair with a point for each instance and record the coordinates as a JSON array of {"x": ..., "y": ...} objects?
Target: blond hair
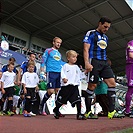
[
  {"x": 31, "y": 63},
  {"x": 56, "y": 38},
  {"x": 70, "y": 53}
]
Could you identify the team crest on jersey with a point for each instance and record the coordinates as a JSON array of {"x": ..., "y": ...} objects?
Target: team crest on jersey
[{"x": 102, "y": 44}]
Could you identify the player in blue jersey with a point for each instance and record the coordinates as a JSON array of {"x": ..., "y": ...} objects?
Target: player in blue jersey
[
  {"x": 52, "y": 60},
  {"x": 95, "y": 44},
  {"x": 5, "y": 67}
]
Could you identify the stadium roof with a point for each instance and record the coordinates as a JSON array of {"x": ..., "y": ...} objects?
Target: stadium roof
[{"x": 70, "y": 20}]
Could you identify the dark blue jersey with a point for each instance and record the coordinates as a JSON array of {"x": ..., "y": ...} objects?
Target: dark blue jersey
[
  {"x": 98, "y": 43},
  {"x": 24, "y": 67},
  {"x": 5, "y": 68}
]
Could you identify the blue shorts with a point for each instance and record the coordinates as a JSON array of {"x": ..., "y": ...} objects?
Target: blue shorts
[{"x": 53, "y": 80}]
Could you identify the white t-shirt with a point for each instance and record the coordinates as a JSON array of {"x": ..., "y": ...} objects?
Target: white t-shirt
[
  {"x": 71, "y": 73},
  {"x": 8, "y": 78},
  {"x": 30, "y": 79}
]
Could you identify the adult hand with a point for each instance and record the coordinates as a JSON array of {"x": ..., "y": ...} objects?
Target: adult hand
[{"x": 88, "y": 67}]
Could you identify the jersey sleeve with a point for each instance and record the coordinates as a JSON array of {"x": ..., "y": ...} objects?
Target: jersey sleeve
[
  {"x": 4, "y": 68},
  {"x": 87, "y": 38},
  {"x": 44, "y": 58},
  {"x": 23, "y": 65}
]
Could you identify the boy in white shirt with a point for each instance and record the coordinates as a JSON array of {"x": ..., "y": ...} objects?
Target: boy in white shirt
[
  {"x": 7, "y": 87},
  {"x": 30, "y": 82},
  {"x": 70, "y": 80}
]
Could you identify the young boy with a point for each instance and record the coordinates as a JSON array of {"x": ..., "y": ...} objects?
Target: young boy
[
  {"x": 7, "y": 88},
  {"x": 30, "y": 82},
  {"x": 70, "y": 79}
]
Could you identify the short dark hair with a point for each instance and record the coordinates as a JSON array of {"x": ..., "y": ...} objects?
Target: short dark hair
[
  {"x": 104, "y": 19},
  {"x": 30, "y": 53},
  {"x": 12, "y": 59}
]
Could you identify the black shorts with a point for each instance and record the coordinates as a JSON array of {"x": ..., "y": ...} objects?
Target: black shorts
[
  {"x": 68, "y": 93},
  {"x": 9, "y": 92},
  {"x": 102, "y": 69},
  {"x": 31, "y": 93}
]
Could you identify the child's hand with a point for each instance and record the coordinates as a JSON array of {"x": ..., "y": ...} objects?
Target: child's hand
[
  {"x": 37, "y": 88},
  {"x": 3, "y": 91},
  {"x": 65, "y": 80},
  {"x": 25, "y": 91}
]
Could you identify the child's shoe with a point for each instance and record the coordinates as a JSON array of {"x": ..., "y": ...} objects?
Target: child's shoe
[
  {"x": 10, "y": 113},
  {"x": 17, "y": 110},
  {"x": 21, "y": 111},
  {"x": 115, "y": 114},
  {"x": 44, "y": 113},
  {"x": 56, "y": 113},
  {"x": 32, "y": 114},
  {"x": 81, "y": 117},
  {"x": 28, "y": 115},
  {"x": 25, "y": 115}
]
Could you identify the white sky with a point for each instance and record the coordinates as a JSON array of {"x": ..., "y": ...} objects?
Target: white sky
[{"x": 130, "y": 3}]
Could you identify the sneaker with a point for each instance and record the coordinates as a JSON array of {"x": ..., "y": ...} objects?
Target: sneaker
[
  {"x": 90, "y": 115},
  {"x": 56, "y": 114},
  {"x": 32, "y": 114},
  {"x": 28, "y": 115},
  {"x": 81, "y": 117},
  {"x": 17, "y": 111},
  {"x": 44, "y": 113},
  {"x": 115, "y": 114},
  {"x": 25, "y": 115},
  {"x": 10, "y": 113}
]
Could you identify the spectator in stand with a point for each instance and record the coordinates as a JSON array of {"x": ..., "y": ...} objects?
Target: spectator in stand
[
  {"x": 129, "y": 73},
  {"x": 30, "y": 82},
  {"x": 7, "y": 87}
]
